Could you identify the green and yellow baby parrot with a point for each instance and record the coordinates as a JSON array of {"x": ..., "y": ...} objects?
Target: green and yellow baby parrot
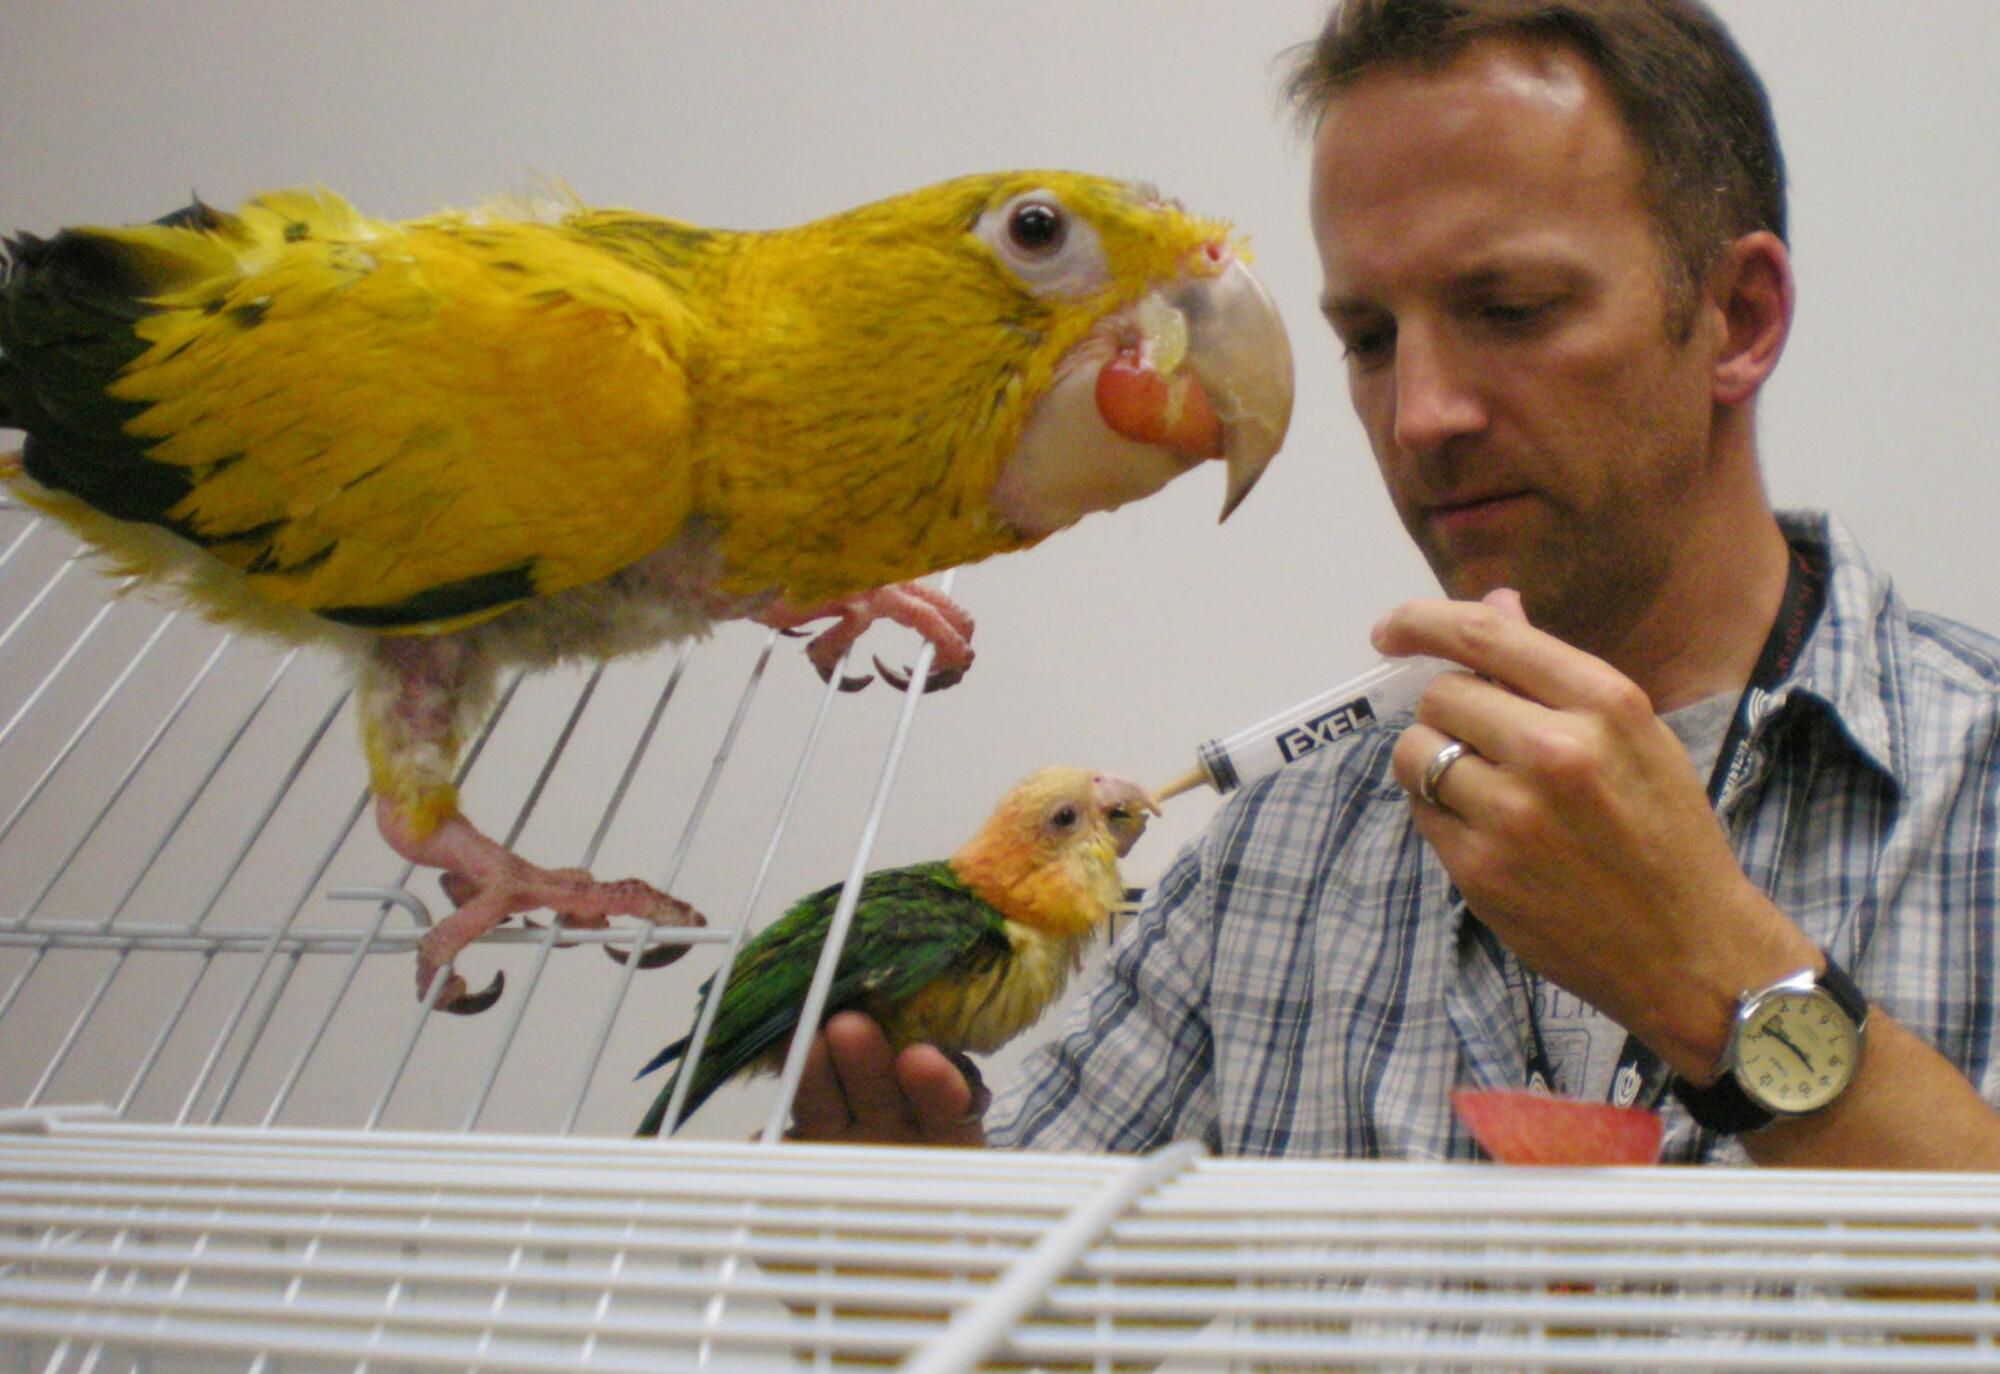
[
  {"x": 452, "y": 445},
  {"x": 964, "y": 954}
]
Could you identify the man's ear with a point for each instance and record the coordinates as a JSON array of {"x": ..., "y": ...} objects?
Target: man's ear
[{"x": 1752, "y": 288}]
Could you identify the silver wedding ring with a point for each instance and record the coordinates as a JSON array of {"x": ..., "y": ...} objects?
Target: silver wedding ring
[{"x": 1435, "y": 770}]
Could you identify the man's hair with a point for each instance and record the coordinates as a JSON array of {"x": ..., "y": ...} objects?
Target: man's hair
[{"x": 1695, "y": 109}]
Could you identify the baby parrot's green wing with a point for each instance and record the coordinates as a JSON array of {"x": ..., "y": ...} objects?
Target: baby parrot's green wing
[{"x": 911, "y": 926}]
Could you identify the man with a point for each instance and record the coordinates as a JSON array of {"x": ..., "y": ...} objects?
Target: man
[{"x": 1553, "y": 245}]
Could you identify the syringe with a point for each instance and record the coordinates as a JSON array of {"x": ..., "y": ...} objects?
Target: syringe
[{"x": 1390, "y": 686}]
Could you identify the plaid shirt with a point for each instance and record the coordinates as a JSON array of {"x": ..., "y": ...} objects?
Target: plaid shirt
[{"x": 1304, "y": 981}]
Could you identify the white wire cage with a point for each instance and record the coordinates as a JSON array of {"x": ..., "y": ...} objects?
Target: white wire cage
[
  {"x": 234, "y": 1140},
  {"x": 199, "y": 924}
]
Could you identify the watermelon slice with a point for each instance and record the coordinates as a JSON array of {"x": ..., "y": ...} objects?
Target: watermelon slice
[{"x": 1516, "y": 1126}]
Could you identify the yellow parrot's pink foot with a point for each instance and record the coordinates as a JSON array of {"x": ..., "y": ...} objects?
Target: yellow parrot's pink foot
[
  {"x": 630, "y": 897},
  {"x": 932, "y": 614},
  {"x": 488, "y": 883}
]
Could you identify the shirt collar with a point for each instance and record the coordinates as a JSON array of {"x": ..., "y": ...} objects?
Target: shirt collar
[{"x": 1850, "y": 659}]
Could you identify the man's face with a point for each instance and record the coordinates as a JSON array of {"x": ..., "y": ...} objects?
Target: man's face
[{"x": 1497, "y": 281}]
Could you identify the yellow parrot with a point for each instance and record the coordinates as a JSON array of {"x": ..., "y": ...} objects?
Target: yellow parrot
[{"x": 445, "y": 446}]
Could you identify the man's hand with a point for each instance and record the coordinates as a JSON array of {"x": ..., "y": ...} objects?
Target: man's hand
[
  {"x": 1578, "y": 832},
  {"x": 856, "y": 1091},
  {"x": 1580, "y": 835}
]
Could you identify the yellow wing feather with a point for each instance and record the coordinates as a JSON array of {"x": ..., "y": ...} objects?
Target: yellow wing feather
[{"x": 371, "y": 411}]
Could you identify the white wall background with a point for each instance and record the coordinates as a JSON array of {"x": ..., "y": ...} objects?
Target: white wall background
[{"x": 1122, "y": 642}]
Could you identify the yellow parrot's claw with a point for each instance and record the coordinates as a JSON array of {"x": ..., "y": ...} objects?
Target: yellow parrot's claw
[
  {"x": 474, "y": 1003},
  {"x": 653, "y": 956},
  {"x": 934, "y": 681},
  {"x": 847, "y": 684},
  {"x": 454, "y": 999},
  {"x": 671, "y": 911}
]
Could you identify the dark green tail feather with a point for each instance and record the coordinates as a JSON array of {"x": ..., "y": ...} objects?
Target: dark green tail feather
[
  {"x": 717, "y": 1067},
  {"x": 655, "y": 1114},
  {"x": 67, "y": 309},
  {"x": 444, "y": 601},
  {"x": 196, "y": 214}
]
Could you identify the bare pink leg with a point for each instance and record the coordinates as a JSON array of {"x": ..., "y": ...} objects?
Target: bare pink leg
[
  {"x": 940, "y": 620},
  {"x": 489, "y": 883},
  {"x": 420, "y": 694}
]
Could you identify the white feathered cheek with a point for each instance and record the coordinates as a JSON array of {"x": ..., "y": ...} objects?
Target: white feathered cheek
[{"x": 1068, "y": 463}]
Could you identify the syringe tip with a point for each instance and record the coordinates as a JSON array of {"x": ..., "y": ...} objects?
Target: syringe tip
[{"x": 1186, "y": 782}]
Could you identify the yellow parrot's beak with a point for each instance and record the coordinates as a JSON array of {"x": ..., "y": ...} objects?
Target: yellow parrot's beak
[
  {"x": 1209, "y": 375},
  {"x": 1239, "y": 352},
  {"x": 1197, "y": 368}
]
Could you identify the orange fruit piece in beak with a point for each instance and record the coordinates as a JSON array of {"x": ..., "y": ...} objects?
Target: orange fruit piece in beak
[{"x": 1169, "y": 411}]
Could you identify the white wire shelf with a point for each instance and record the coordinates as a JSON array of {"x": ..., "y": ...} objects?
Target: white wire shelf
[
  {"x": 395, "y": 1250},
  {"x": 295, "y": 1167}
]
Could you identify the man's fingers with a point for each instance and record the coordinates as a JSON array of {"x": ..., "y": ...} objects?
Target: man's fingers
[
  {"x": 1494, "y": 640},
  {"x": 856, "y": 1088},
  {"x": 948, "y": 1107},
  {"x": 1490, "y": 719},
  {"x": 1507, "y": 601},
  {"x": 865, "y": 1066},
  {"x": 1418, "y": 753},
  {"x": 819, "y": 1108}
]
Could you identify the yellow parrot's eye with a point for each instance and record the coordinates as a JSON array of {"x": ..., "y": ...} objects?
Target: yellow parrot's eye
[
  {"x": 1049, "y": 248},
  {"x": 1037, "y": 227}
]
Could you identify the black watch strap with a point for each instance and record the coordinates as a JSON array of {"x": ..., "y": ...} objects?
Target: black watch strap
[{"x": 1723, "y": 1106}]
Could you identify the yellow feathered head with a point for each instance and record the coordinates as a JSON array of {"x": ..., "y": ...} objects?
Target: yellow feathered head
[
  {"x": 1048, "y": 854},
  {"x": 1087, "y": 339}
]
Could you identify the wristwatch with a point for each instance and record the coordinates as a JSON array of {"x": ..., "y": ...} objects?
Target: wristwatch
[{"x": 1793, "y": 1048}]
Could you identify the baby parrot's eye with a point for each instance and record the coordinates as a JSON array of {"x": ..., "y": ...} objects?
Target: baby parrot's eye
[
  {"x": 1063, "y": 817},
  {"x": 1050, "y": 249},
  {"x": 1037, "y": 227}
]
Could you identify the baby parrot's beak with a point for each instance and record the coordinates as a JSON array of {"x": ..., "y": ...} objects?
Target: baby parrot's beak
[
  {"x": 1124, "y": 806},
  {"x": 1210, "y": 374}
]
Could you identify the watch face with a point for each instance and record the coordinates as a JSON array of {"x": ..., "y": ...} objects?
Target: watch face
[{"x": 1796, "y": 1051}]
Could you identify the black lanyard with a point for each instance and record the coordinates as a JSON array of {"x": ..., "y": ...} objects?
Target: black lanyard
[{"x": 1640, "y": 1077}]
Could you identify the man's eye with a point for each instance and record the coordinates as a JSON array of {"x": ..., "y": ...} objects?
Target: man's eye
[
  {"x": 1514, "y": 314},
  {"x": 1368, "y": 345}
]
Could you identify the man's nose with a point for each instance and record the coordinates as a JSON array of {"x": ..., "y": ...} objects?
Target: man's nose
[{"x": 1435, "y": 399}]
